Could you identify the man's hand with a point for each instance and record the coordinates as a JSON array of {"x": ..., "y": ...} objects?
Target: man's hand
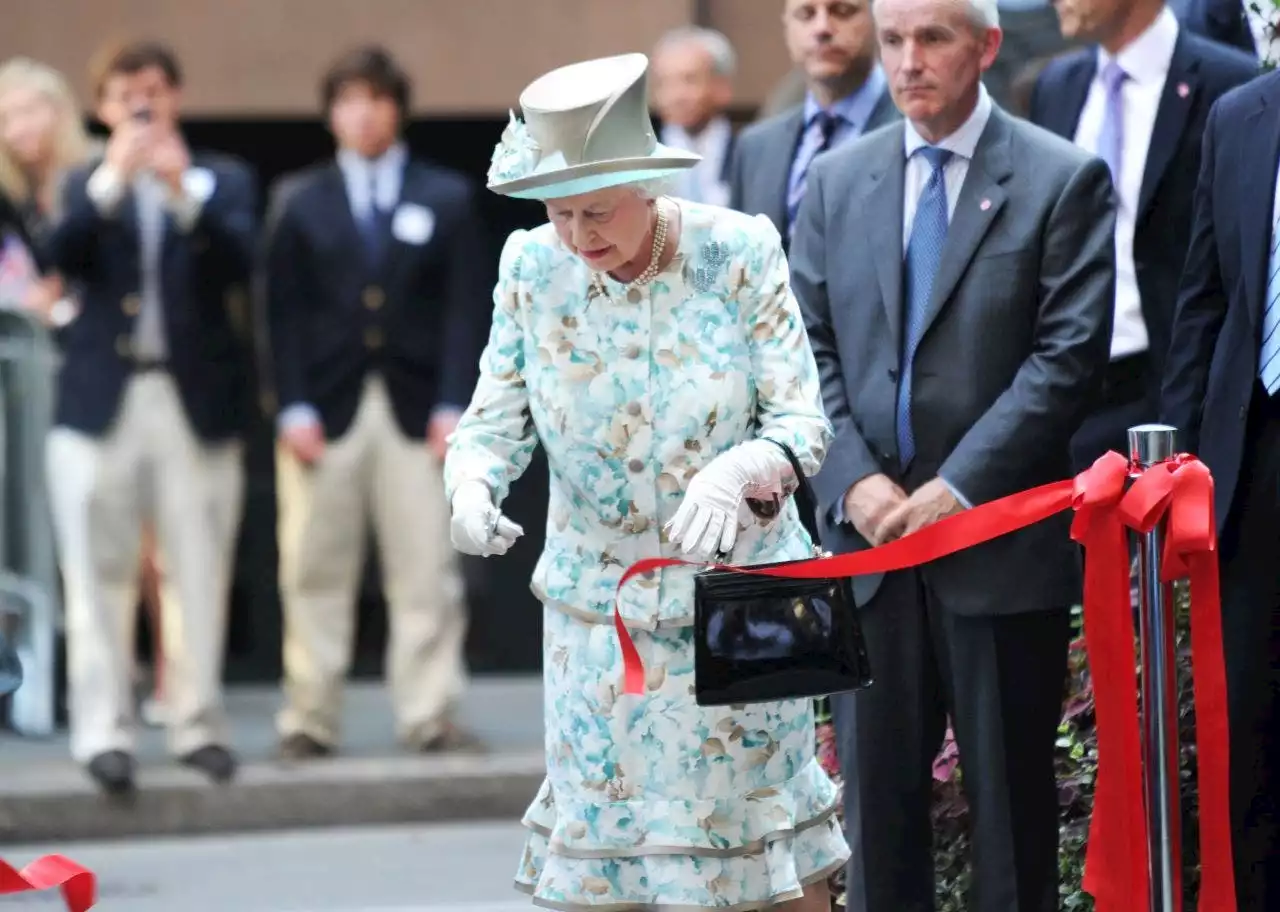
[
  {"x": 304, "y": 441},
  {"x": 129, "y": 148},
  {"x": 869, "y": 503},
  {"x": 169, "y": 159},
  {"x": 443, "y": 423},
  {"x": 931, "y": 502}
]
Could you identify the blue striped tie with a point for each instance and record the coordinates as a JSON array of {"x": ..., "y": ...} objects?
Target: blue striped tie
[
  {"x": 924, "y": 254},
  {"x": 1269, "y": 357}
]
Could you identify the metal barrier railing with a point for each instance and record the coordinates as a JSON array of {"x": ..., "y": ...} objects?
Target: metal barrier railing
[{"x": 30, "y": 614}]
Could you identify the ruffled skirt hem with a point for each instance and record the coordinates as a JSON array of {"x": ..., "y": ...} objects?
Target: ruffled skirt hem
[{"x": 787, "y": 863}]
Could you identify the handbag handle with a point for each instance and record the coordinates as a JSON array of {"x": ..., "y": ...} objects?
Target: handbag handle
[{"x": 806, "y": 503}]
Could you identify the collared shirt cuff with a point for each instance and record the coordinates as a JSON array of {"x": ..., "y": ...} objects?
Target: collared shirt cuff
[
  {"x": 955, "y": 492},
  {"x": 186, "y": 210},
  {"x": 299, "y": 414},
  {"x": 106, "y": 189}
]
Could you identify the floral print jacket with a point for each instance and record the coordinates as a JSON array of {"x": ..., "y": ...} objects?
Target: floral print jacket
[{"x": 631, "y": 391}]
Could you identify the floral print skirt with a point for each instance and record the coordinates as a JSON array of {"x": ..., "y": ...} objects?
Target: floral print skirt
[{"x": 653, "y": 802}]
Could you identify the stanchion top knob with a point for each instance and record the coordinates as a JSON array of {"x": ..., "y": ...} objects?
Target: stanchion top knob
[{"x": 1152, "y": 443}]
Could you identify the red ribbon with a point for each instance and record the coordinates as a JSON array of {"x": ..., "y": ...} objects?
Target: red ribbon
[
  {"x": 1181, "y": 491},
  {"x": 79, "y": 885}
]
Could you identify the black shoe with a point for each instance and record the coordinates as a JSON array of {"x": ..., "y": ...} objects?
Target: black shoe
[
  {"x": 113, "y": 772},
  {"x": 298, "y": 747},
  {"x": 214, "y": 760}
]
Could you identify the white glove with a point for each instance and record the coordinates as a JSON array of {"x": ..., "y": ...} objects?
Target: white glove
[
  {"x": 707, "y": 520},
  {"x": 477, "y": 526}
]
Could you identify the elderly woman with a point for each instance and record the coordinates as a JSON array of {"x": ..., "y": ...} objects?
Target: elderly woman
[{"x": 653, "y": 347}]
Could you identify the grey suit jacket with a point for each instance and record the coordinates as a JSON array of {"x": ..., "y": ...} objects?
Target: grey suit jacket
[
  {"x": 1017, "y": 333},
  {"x": 760, "y": 169}
]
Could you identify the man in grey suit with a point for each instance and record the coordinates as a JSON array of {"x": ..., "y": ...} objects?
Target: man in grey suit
[
  {"x": 956, "y": 274},
  {"x": 833, "y": 41}
]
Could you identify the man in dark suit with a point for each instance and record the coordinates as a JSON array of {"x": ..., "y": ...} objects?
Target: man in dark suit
[
  {"x": 373, "y": 307},
  {"x": 151, "y": 403},
  {"x": 1222, "y": 391},
  {"x": 956, "y": 274},
  {"x": 834, "y": 42},
  {"x": 1138, "y": 99},
  {"x": 1224, "y": 21}
]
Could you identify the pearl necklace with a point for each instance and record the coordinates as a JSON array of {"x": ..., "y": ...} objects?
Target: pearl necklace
[{"x": 655, "y": 255}]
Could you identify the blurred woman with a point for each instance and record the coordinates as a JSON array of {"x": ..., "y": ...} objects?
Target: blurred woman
[{"x": 42, "y": 137}]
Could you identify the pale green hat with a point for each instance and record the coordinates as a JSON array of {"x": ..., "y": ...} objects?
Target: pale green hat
[{"x": 586, "y": 127}]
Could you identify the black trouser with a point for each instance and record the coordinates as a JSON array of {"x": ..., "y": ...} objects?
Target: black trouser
[
  {"x": 1001, "y": 679},
  {"x": 1250, "y": 561},
  {"x": 1123, "y": 402}
]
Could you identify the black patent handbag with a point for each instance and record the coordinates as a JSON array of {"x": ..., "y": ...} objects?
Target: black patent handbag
[{"x": 760, "y": 639}]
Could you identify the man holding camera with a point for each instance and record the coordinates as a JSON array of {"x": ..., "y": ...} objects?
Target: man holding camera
[{"x": 151, "y": 405}]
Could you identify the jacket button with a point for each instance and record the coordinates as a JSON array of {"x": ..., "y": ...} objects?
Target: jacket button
[
  {"x": 636, "y": 466},
  {"x": 374, "y": 297},
  {"x": 634, "y": 409},
  {"x": 373, "y": 338},
  {"x": 124, "y": 346},
  {"x": 131, "y": 304},
  {"x": 634, "y": 295},
  {"x": 1244, "y": 412},
  {"x": 631, "y": 351}
]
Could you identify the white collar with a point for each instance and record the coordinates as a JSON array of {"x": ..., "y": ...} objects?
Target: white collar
[
  {"x": 964, "y": 141},
  {"x": 1147, "y": 58}
]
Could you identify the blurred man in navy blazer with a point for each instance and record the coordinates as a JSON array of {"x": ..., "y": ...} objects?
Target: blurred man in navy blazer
[
  {"x": 152, "y": 400},
  {"x": 1222, "y": 392},
  {"x": 1137, "y": 97},
  {"x": 376, "y": 315}
]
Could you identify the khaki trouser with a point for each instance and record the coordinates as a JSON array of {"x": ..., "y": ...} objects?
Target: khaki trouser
[
  {"x": 149, "y": 467},
  {"x": 373, "y": 472}
]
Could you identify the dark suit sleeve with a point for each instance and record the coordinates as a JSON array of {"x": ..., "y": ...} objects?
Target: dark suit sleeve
[
  {"x": 466, "y": 322},
  {"x": 1034, "y": 417},
  {"x": 1035, "y": 110},
  {"x": 229, "y": 219},
  {"x": 849, "y": 459},
  {"x": 285, "y": 298},
  {"x": 1202, "y": 309},
  {"x": 73, "y": 242},
  {"x": 735, "y": 175}
]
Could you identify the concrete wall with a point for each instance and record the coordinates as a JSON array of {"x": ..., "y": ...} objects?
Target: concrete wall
[{"x": 262, "y": 58}]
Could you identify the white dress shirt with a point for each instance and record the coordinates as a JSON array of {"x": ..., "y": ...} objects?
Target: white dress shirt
[
  {"x": 373, "y": 180},
  {"x": 1146, "y": 60},
  {"x": 704, "y": 183},
  {"x": 154, "y": 203}
]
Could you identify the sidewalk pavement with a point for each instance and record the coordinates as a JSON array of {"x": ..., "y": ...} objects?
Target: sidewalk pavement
[{"x": 44, "y": 797}]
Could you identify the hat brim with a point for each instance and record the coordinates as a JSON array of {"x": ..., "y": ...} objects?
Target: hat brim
[{"x": 587, "y": 178}]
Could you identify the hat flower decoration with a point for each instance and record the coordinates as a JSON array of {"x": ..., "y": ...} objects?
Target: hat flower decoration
[{"x": 516, "y": 155}]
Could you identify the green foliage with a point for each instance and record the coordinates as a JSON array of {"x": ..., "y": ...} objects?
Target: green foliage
[
  {"x": 1269, "y": 10},
  {"x": 1077, "y": 765}
]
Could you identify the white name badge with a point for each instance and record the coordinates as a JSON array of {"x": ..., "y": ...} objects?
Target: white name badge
[
  {"x": 199, "y": 184},
  {"x": 413, "y": 224}
]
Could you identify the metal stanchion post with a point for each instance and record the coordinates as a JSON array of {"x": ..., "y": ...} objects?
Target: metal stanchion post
[{"x": 1150, "y": 444}]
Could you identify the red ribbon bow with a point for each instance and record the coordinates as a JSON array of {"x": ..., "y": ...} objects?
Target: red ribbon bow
[
  {"x": 1116, "y": 870},
  {"x": 79, "y": 885},
  {"x": 1181, "y": 491}
]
